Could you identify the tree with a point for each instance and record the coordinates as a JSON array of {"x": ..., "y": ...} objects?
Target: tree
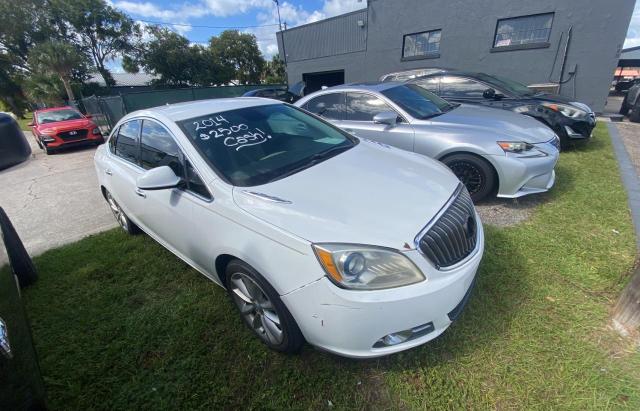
[
  {"x": 240, "y": 52},
  {"x": 44, "y": 88},
  {"x": 176, "y": 61},
  {"x": 58, "y": 58},
  {"x": 626, "y": 315},
  {"x": 274, "y": 71},
  {"x": 101, "y": 30}
]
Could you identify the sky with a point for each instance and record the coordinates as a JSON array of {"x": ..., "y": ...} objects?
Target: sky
[{"x": 259, "y": 17}]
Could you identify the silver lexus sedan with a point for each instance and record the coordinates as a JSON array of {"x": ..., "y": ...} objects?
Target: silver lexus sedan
[{"x": 491, "y": 151}]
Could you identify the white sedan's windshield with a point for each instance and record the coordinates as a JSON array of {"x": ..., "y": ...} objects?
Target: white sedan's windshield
[{"x": 256, "y": 145}]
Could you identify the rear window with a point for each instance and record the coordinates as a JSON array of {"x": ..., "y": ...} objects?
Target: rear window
[{"x": 257, "y": 145}]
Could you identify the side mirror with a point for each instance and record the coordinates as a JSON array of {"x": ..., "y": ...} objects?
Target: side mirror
[
  {"x": 386, "y": 117},
  {"x": 158, "y": 178}
]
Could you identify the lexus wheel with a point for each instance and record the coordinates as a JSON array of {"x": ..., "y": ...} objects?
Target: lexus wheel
[
  {"x": 122, "y": 219},
  {"x": 262, "y": 309},
  {"x": 474, "y": 172}
]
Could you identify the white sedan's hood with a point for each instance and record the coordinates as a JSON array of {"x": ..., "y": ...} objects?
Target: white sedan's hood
[
  {"x": 503, "y": 124},
  {"x": 370, "y": 194}
]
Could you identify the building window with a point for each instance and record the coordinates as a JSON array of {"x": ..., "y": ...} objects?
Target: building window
[
  {"x": 421, "y": 45},
  {"x": 521, "y": 31}
]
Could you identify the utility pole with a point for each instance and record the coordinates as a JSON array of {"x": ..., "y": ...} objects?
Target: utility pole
[{"x": 284, "y": 51}]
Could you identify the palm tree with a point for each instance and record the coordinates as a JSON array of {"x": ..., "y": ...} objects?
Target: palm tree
[{"x": 57, "y": 58}]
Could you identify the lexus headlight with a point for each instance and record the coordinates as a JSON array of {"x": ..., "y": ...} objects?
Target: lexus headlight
[
  {"x": 515, "y": 146},
  {"x": 565, "y": 110},
  {"x": 362, "y": 267}
]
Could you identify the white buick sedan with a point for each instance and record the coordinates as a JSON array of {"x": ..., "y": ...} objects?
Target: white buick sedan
[{"x": 359, "y": 248}]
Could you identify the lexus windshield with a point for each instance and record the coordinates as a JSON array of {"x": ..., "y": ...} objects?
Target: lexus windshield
[
  {"x": 418, "y": 102},
  {"x": 260, "y": 144}
]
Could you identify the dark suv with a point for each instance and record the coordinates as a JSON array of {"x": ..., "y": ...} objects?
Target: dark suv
[{"x": 571, "y": 121}]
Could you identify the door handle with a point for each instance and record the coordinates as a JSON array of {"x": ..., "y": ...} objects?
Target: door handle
[
  {"x": 140, "y": 193},
  {"x": 108, "y": 172}
]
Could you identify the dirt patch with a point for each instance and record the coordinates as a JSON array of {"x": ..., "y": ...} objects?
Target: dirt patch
[
  {"x": 630, "y": 133},
  {"x": 502, "y": 212}
]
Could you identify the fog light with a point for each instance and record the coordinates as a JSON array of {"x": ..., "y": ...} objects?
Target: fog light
[{"x": 404, "y": 336}]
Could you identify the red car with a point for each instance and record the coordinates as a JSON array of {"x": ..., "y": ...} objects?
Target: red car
[{"x": 61, "y": 127}]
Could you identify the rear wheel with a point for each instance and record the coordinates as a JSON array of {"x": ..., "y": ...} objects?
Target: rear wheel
[
  {"x": 624, "y": 108},
  {"x": 262, "y": 309},
  {"x": 122, "y": 219},
  {"x": 474, "y": 172},
  {"x": 634, "y": 114}
]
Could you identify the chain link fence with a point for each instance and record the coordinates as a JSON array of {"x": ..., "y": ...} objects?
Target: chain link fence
[{"x": 107, "y": 111}]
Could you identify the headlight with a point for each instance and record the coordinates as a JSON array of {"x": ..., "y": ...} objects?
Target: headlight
[
  {"x": 515, "y": 146},
  {"x": 95, "y": 131},
  {"x": 361, "y": 267},
  {"x": 565, "y": 110}
]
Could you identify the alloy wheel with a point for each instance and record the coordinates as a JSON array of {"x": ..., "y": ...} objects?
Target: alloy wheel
[
  {"x": 121, "y": 218},
  {"x": 469, "y": 175},
  {"x": 256, "y": 308}
]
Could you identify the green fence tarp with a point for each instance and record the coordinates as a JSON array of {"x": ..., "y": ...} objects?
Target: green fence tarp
[{"x": 147, "y": 99}]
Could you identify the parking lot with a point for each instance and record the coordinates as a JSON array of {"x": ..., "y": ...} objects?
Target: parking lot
[{"x": 54, "y": 200}]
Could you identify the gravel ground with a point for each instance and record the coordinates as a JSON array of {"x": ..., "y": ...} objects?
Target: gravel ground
[
  {"x": 503, "y": 212},
  {"x": 630, "y": 133}
]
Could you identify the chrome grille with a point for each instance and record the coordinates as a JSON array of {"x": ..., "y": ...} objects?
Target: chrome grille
[
  {"x": 453, "y": 236},
  {"x": 73, "y": 135}
]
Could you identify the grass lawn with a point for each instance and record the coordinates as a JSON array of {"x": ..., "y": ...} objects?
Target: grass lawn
[
  {"x": 120, "y": 323},
  {"x": 24, "y": 121}
]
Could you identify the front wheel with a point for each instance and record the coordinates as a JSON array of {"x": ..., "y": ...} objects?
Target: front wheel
[
  {"x": 474, "y": 172},
  {"x": 634, "y": 114},
  {"x": 624, "y": 108},
  {"x": 122, "y": 219},
  {"x": 262, "y": 309}
]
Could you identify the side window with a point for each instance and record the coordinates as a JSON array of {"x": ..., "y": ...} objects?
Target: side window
[
  {"x": 127, "y": 141},
  {"x": 112, "y": 141},
  {"x": 195, "y": 184},
  {"x": 158, "y": 148},
  {"x": 363, "y": 107},
  {"x": 430, "y": 84},
  {"x": 458, "y": 87},
  {"x": 329, "y": 106}
]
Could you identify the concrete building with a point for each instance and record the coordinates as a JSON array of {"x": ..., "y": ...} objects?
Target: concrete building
[{"x": 527, "y": 41}]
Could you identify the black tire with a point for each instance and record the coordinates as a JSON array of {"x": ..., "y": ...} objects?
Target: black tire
[
  {"x": 634, "y": 113},
  {"x": 292, "y": 339},
  {"x": 624, "y": 108},
  {"x": 48, "y": 151},
  {"x": 125, "y": 223},
  {"x": 474, "y": 172},
  {"x": 19, "y": 260},
  {"x": 39, "y": 143}
]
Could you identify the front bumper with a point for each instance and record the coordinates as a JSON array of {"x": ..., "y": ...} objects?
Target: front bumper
[
  {"x": 520, "y": 176},
  {"x": 574, "y": 130},
  {"x": 349, "y": 323},
  {"x": 55, "y": 142}
]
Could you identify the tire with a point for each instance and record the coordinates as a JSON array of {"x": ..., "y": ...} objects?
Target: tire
[
  {"x": 474, "y": 172},
  {"x": 262, "y": 309},
  {"x": 624, "y": 108},
  {"x": 125, "y": 223},
  {"x": 634, "y": 113},
  {"x": 48, "y": 151},
  {"x": 39, "y": 143},
  {"x": 19, "y": 260}
]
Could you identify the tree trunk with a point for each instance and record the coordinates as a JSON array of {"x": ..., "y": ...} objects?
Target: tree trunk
[
  {"x": 67, "y": 87},
  {"x": 627, "y": 310}
]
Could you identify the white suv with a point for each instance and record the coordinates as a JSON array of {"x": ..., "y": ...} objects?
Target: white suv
[{"x": 359, "y": 248}]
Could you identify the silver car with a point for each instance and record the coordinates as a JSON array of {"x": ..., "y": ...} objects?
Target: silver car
[{"x": 491, "y": 151}]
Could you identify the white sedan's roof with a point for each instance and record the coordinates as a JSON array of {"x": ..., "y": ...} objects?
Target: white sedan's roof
[{"x": 191, "y": 109}]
